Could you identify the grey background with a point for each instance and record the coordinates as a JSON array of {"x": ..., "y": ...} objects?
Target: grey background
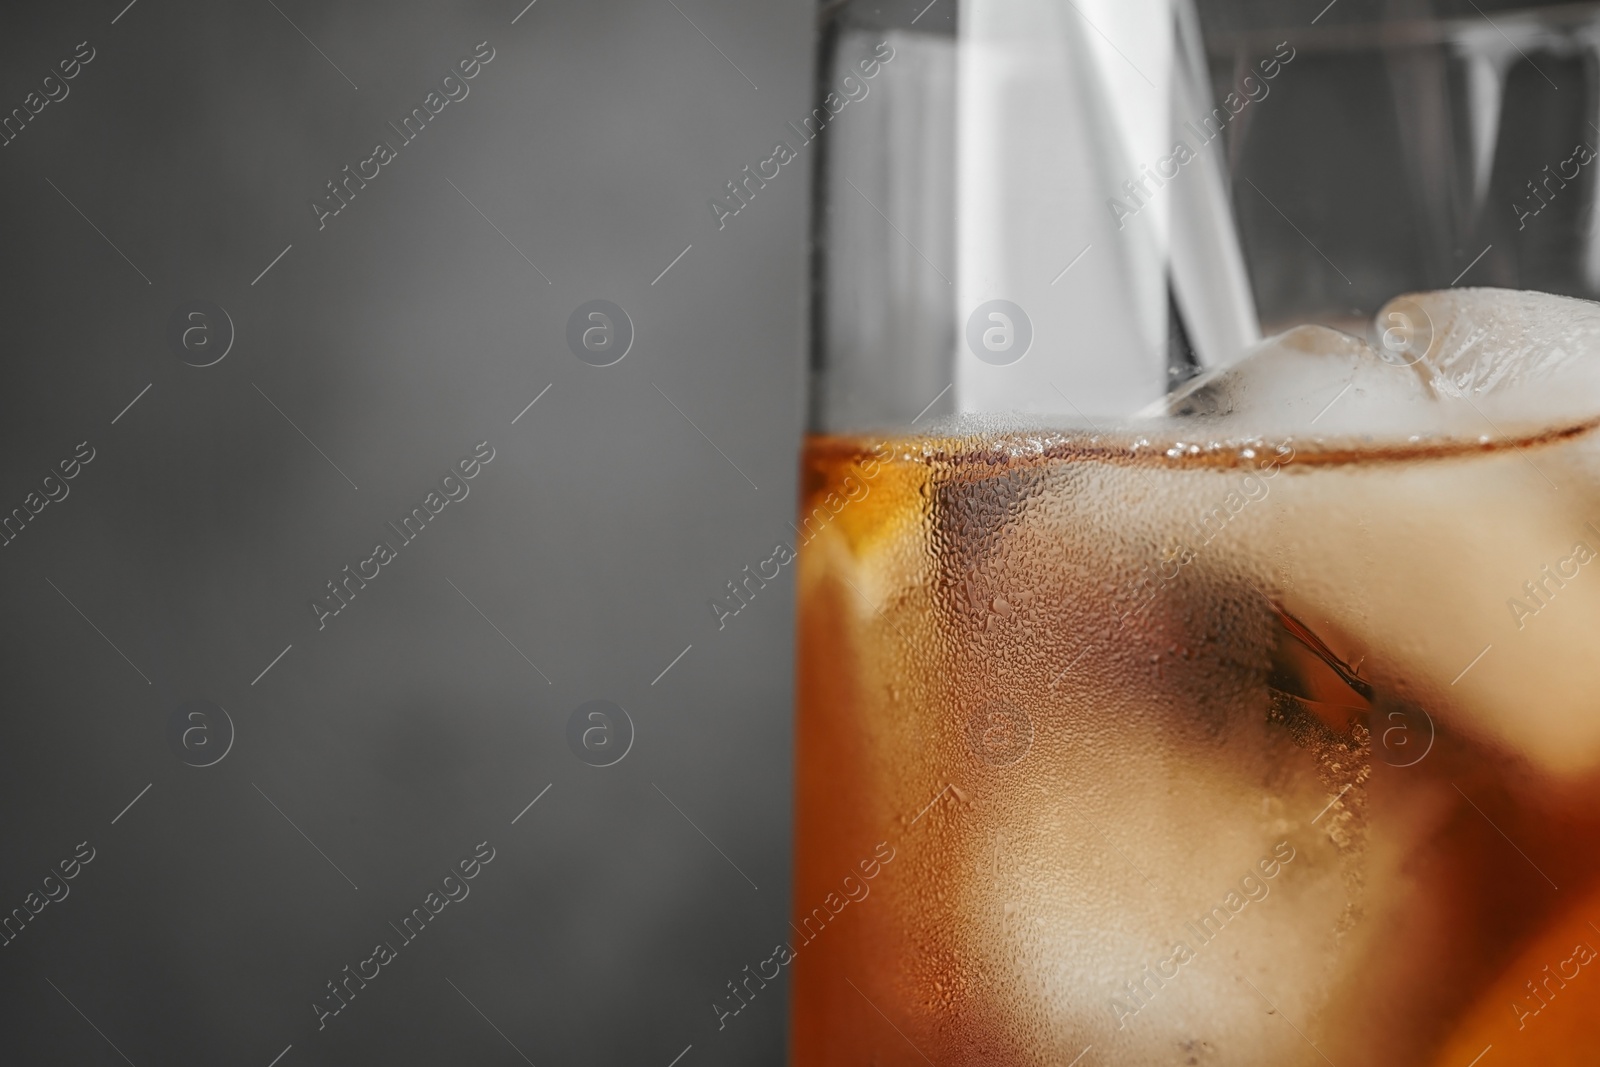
[{"x": 396, "y": 338}]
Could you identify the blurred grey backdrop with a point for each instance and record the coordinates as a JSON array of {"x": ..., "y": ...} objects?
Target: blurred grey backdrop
[{"x": 351, "y": 767}]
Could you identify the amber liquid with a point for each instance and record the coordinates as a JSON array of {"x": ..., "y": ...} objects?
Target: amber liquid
[{"x": 1172, "y": 758}]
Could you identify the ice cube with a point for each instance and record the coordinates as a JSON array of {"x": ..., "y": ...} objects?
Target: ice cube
[
  {"x": 1495, "y": 363},
  {"x": 1522, "y": 356},
  {"x": 1311, "y": 381},
  {"x": 1465, "y": 586},
  {"x": 1462, "y": 572}
]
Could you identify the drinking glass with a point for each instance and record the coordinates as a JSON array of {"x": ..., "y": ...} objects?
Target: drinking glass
[{"x": 1196, "y": 619}]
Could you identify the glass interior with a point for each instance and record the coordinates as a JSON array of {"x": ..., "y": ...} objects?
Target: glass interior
[{"x": 1063, "y": 209}]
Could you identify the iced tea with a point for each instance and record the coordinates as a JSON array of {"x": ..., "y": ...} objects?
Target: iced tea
[{"x": 1194, "y": 745}]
